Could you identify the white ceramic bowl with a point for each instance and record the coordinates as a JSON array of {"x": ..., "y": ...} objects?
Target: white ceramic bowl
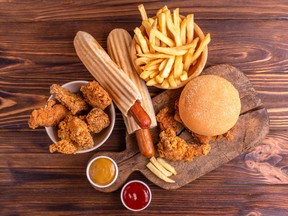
[
  {"x": 88, "y": 175},
  {"x": 99, "y": 138},
  {"x": 134, "y": 195}
]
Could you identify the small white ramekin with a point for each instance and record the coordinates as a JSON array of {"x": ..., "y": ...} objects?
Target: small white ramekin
[
  {"x": 122, "y": 191},
  {"x": 88, "y": 175}
]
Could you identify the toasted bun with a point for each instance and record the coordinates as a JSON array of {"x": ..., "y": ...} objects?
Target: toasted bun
[{"x": 209, "y": 105}]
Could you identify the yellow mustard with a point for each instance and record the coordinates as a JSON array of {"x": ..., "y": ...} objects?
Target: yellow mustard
[{"x": 102, "y": 171}]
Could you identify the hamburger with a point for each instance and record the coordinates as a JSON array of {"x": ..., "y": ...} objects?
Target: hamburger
[{"x": 209, "y": 105}]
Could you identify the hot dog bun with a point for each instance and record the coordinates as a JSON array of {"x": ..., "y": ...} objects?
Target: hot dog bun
[{"x": 209, "y": 105}]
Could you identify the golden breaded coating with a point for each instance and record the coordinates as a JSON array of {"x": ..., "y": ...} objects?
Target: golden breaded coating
[
  {"x": 95, "y": 95},
  {"x": 75, "y": 129},
  {"x": 64, "y": 146},
  {"x": 48, "y": 116},
  {"x": 72, "y": 101},
  {"x": 171, "y": 146},
  {"x": 175, "y": 148},
  {"x": 97, "y": 120},
  {"x": 166, "y": 120}
]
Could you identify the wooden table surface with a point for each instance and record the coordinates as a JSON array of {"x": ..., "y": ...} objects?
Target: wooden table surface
[{"x": 36, "y": 50}]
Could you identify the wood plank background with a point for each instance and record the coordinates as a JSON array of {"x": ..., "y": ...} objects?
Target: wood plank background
[{"x": 36, "y": 50}]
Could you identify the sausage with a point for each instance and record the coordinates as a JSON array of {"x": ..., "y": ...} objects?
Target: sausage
[
  {"x": 145, "y": 142},
  {"x": 140, "y": 115}
]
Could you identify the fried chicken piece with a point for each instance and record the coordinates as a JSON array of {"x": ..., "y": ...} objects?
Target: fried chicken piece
[
  {"x": 48, "y": 116},
  {"x": 72, "y": 101},
  {"x": 95, "y": 95},
  {"x": 166, "y": 120},
  {"x": 171, "y": 146},
  {"x": 64, "y": 146},
  {"x": 174, "y": 148},
  {"x": 75, "y": 129},
  {"x": 97, "y": 120}
]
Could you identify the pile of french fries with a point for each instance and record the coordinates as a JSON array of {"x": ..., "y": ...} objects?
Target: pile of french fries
[
  {"x": 161, "y": 169},
  {"x": 167, "y": 47}
]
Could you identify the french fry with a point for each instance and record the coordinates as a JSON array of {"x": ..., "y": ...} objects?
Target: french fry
[
  {"x": 168, "y": 67},
  {"x": 162, "y": 27},
  {"x": 151, "y": 20},
  {"x": 154, "y": 170},
  {"x": 145, "y": 74},
  {"x": 164, "y": 8},
  {"x": 166, "y": 165},
  {"x": 152, "y": 37},
  {"x": 159, "y": 12},
  {"x": 188, "y": 59},
  {"x": 164, "y": 38},
  {"x": 153, "y": 62},
  {"x": 169, "y": 23},
  {"x": 138, "y": 49},
  {"x": 172, "y": 81},
  {"x": 165, "y": 84},
  {"x": 178, "y": 81},
  {"x": 150, "y": 68},
  {"x": 159, "y": 79},
  {"x": 183, "y": 31},
  {"x": 163, "y": 64},
  {"x": 143, "y": 13},
  {"x": 152, "y": 40},
  {"x": 154, "y": 74},
  {"x": 201, "y": 47},
  {"x": 142, "y": 42},
  {"x": 190, "y": 28},
  {"x": 142, "y": 60},
  {"x": 184, "y": 76},
  {"x": 151, "y": 82},
  {"x": 147, "y": 26},
  {"x": 176, "y": 19},
  {"x": 160, "y": 167},
  {"x": 176, "y": 51},
  {"x": 178, "y": 66},
  {"x": 155, "y": 55}
]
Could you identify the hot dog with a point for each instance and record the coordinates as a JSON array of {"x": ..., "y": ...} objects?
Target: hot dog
[
  {"x": 145, "y": 142},
  {"x": 140, "y": 115}
]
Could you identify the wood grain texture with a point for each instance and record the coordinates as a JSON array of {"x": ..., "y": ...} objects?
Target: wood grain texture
[{"x": 36, "y": 50}]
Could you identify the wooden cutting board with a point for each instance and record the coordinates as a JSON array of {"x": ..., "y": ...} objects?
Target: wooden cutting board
[{"x": 252, "y": 127}]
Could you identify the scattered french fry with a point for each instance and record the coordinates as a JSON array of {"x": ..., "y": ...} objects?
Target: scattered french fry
[
  {"x": 166, "y": 165},
  {"x": 158, "y": 173},
  {"x": 160, "y": 167}
]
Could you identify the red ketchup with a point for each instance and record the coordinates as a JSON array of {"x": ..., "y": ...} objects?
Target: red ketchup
[{"x": 136, "y": 195}]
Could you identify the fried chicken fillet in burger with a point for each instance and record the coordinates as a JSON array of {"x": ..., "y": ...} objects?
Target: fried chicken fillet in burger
[{"x": 209, "y": 105}]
